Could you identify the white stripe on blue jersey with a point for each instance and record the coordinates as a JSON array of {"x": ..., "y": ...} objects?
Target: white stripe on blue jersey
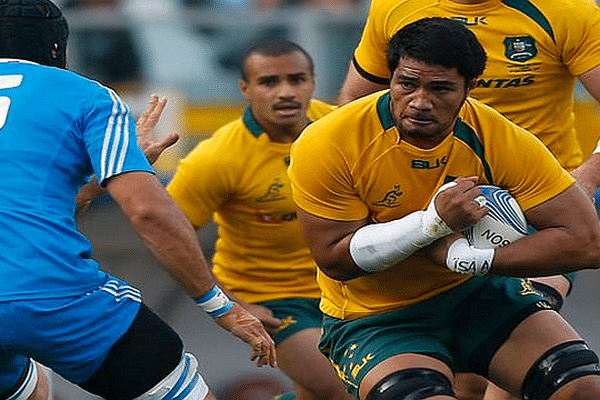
[
  {"x": 121, "y": 291},
  {"x": 117, "y": 129}
]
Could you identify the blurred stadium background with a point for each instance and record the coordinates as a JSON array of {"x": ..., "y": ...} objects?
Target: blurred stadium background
[{"x": 190, "y": 50}]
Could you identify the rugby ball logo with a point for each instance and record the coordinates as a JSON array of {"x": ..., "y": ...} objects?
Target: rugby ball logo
[{"x": 504, "y": 223}]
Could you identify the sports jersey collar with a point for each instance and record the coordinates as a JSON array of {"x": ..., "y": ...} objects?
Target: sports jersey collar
[
  {"x": 383, "y": 111},
  {"x": 255, "y": 129}
]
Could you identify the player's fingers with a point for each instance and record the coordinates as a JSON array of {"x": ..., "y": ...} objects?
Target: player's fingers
[
  {"x": 480, "y": 200},
  {"x": 151, "y": 105},
  {"x": 263, "y": 351},
  {"x": 157, "y": 110}
]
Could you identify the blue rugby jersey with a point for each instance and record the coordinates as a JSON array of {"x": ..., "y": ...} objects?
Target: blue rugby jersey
[{"x": 56, "y": 129}]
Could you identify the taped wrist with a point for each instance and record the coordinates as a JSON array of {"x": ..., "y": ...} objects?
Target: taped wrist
[
  {"x": 214, "y": 302},
  {"x": 378, "y": 247},
  {"x": 466, "y": 259}
]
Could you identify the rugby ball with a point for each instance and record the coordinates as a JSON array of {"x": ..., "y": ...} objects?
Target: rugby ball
[{"x": 504, "y": 223}]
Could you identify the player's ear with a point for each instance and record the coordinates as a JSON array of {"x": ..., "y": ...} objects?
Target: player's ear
[
  {"x": 472, "y": 84},
  {"x": 243, "y": 85}
]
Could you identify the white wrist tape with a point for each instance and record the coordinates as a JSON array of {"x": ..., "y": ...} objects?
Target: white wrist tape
[
  {"x": 214, "y": 302},
  {"x": 378, "y": 247},
  {"x": 466, "y": 259}
]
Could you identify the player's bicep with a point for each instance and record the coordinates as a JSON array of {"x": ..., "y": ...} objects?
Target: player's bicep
[
  {"x": 329, "y": 240},
  {"x": 570, "y": 210}
]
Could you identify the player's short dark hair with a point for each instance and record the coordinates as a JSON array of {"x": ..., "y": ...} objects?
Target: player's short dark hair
[
  {"x": 33, "y": 30},
  {"x": 275, "y": 48},
  {"x": 438, "y": 41}
]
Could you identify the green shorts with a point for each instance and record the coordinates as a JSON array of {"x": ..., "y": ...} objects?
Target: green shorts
[
  {"x": 463, "y": 327},
  {"x": 296, "y": 313}
]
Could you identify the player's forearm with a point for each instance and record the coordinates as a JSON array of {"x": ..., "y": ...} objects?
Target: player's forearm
[
  {"x": 164, "y": 229},
  {"x": 547, "y": 252},
  {"x": 173, "y": 241},
  {"x": 588, "y": 174}
]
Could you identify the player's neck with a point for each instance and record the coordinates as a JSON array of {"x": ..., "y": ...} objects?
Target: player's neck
[{"x": 286, "y": 134}]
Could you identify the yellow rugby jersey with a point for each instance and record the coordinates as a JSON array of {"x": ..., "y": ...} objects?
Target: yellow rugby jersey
[
  {"x": 240, "y": 176},
  {"x": 351, "y": 164},
  {"x": 535, "y": 48}
]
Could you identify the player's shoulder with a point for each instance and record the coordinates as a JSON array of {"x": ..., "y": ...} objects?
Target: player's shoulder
[
  {"x": 319, "y": 108},
  {"x": 348, "y": 122},
  {"x": 226, "y": 143},
  {"x": 562, "y": 12},
  {"x": 384, "y": 7},
  {"x": 476, "y": 108}
]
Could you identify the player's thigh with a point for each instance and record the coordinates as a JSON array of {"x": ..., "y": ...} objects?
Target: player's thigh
[
  {"x": 299, "y": 357},
  {"x": 538, "y": 334},
  {"x": 71, "y": 335},
  {"x": 468, "y": 386},
  {"x": 296, "y": 314},
  {"x": 145, "y": 355}
]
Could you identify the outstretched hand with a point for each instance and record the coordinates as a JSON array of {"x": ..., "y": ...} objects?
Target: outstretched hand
[
  {"x": 264, "y": 315},
  {"x": 248, "y": 328},
  {"x": 145, "y": 129}
]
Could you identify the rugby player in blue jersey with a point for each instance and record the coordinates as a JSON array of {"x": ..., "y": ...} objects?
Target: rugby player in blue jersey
[{"x": 57, "y": 307}]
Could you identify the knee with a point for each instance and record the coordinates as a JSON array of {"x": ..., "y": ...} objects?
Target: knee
[
  {"x": 568, "y": 367},
  {"x": 184, "y": 383},
  {"x": 35, "y": 384},
  {"x": 413, "y": 383}
]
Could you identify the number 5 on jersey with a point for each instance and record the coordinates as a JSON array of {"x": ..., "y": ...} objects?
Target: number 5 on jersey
[{"x": 7, "y": 82}]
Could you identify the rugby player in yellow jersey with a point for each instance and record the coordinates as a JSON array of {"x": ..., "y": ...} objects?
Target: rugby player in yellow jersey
[
  {"x": 373, "y": 183},
  {"x": 239, "y": 176},
  {"x": 536, "y": 52}
]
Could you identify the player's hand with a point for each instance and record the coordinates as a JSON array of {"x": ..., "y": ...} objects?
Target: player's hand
[
  {"x": 458, "y": 205},
  {"x": 145, "y": 129},
  {"x": 87, "y": 194},
  {"x": 264, "y": 315},
  {"x": 248, "y": 328}
]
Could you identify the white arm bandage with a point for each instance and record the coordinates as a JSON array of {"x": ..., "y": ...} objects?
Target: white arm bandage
[
  {"x": 466, "y": 259},
  {"x": 378, "y": 247}
]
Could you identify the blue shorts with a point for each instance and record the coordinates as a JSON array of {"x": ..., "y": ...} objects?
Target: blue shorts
[{"x": 71, "y": 335}]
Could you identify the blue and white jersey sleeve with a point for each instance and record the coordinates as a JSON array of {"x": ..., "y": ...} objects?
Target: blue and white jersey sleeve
[{"x": 110, "y": 139}]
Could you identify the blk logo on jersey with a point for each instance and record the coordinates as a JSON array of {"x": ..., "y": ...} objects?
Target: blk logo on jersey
[
  {"x": 473, "y": 21},
  {"x": 390, "y": 199},
  {"x": 426, "y": 164},
  {"x": 520, "y": 48}
]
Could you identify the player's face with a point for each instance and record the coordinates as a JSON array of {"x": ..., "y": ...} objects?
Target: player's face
[
  {"x": 425, "y": 101},
  {"x": 278, "y": 90}
]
